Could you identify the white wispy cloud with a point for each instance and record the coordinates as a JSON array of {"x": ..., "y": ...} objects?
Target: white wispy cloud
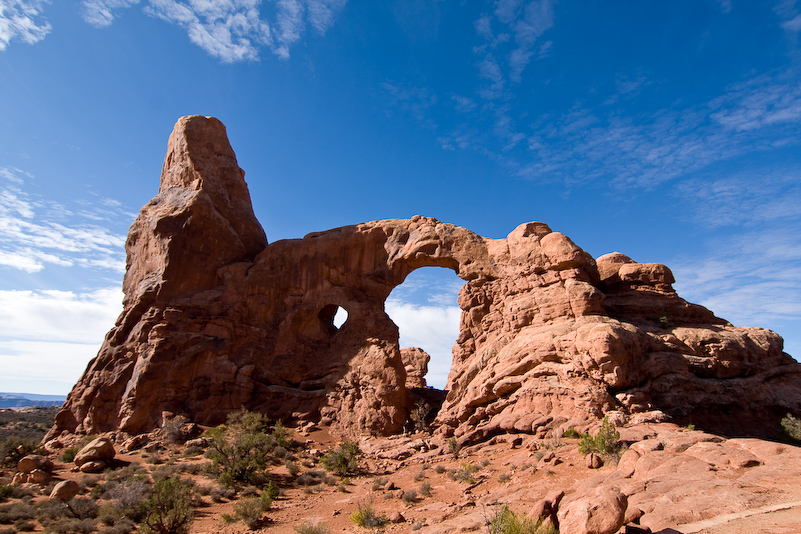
[
  {"x": 432, "y": 328},
  {"x": 100, "y": 13},
  {"x": 35, "y": 232},
  {"x": 231, "y": 30},
  {"x": 21, "y": 20}
]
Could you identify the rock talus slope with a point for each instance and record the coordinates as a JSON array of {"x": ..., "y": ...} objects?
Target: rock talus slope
[{"x": 215, "y": 319}]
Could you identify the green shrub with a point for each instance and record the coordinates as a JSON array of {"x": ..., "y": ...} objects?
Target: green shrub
[
  {"x": 168, "y": 509},
  {"x": 465, "y": 473},
  {"x": 344, "y": 460},
  {"x": 507, "y": 522},
  {"x": 249, "y": 510},
  {"x": 454, "y": 447},
  {"x": 366, "y": 517},
  {"x": 69, "y": 454},
  {"x": 571, "y": 433},
  {"x": 792, "y": 426},
  {"x": 311, "y": 527},
  {"x": 606, "y": 442}
]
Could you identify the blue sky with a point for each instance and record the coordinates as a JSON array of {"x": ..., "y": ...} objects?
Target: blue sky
[{"x": 668, "y": 131}]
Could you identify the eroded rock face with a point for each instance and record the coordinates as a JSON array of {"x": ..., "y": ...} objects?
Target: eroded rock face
[{"x": 215, "y": 319}]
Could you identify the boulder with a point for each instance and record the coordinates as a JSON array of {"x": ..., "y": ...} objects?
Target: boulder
[
  {"x": 37, "y": 476},
  {"x": 99, "y": 451},
  {"x": 600, "y": 511},
  {"x": 30, "y": 462},
  {"x": 64, "y": 491}
]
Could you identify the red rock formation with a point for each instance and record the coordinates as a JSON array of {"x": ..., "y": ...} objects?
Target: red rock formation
[{"x": 215, "y": 319}]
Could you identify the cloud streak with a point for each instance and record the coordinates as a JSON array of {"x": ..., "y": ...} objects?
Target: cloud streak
[
  {"x": 230, "y": 30},
  {"x": 20, "y": 20},
  {"x": 35, "y": 233}
]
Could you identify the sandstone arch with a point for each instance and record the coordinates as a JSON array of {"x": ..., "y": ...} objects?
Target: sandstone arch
[{"x": 215, "y": 318}]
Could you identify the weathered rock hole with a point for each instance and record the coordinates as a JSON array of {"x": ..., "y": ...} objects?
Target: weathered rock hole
[{"x": 333, "y": 317}]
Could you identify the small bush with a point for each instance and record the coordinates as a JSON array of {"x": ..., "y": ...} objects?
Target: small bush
[
  {"x": 249, "y": 510},
  {"x": 425, "y": 489},
  {"x": 123, "y": 526},
  {"x": 24, "y": 525},
  {"x": 454, "y": 447},
  {"x": 168, "y": 509},
  {"x": 343, "y": 461},
  {"x": 172, "y": 429},
  {"x": 69, "y": 454},
  {"x": 379, "y": 483},
  {"x": 792, "y": 426},
  {"x": 409, "y": 497},
  {"x": 465, "y": 473},
  {"x": 571, "y": 433},
  {"x": 439, "y": 469},
  {"x": 606, "y": 442},
  {"x": 194, "y": 450},
  {"x": 507, "y": 522},
  {"x": 129, "y": 497},
  {"x": 311, "y": 527},
  {"x": 366, "y": 517},
  {"x": 419, "y": 415},
  {"x": 420, "y": 474},
  {"x": 70, "y": 525},
  {"x": 292, "y": 467},
  {"x": 82, "y": 508},
  {"x": 503, "y": 478}
]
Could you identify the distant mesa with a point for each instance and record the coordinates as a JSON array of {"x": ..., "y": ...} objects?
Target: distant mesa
[
  {"x": 21, "y": 400},
  {"x": 215, "y": 319}
]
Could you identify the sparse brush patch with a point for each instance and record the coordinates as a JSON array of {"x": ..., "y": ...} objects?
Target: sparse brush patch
[
  {"x": 24, "y": 525},
  {"x": 249, "y": 510},
  {"x": 571, "y": 433},
  {"x": 311, "y": 527},
  {"x": 465, "y": 473},
  {"x": 7, "y": 491},
  {"x": 503, "y": 478},
  {"x": 344, "y": 460},
  {"x": 792, "y": 426},
  {"x": 366, "y": 517},
  {"x": 172, "y": 429},
  {"x": 12, "y": 512},
  {"x": 82, "y": 507},
  {"x": 425, "y": 489},
  {"x": 129, "y": 497},
  {"x": 420, "y": 475},
  {"x": 221, "y": 493},
  {"x": 311, "y": 478},
  {"x": 485, "y": 462},
  {"x": 70, "y": 525},
  {"x": 409, "y": 496},
  {"x": 292, "y": 467},
  {"x": 123, "y": 526},
  {"x": 379, "y": 483},
  {"x": 13, "y": 448},
  {"x": 606, "y": 442},
  {"x": 507, "y": 522},
  {"x": 439, "y": 469},
  {"x": 192, "y": 451}
]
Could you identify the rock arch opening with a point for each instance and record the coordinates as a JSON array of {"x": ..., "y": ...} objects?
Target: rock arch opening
[{"x": 425, "y": 309}]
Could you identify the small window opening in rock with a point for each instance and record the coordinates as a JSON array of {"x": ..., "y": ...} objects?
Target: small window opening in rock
[
  {"x": 425, "y": 310},
  {"x": 340, "y": 317},
  {"x": 333, "y": 317}
]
